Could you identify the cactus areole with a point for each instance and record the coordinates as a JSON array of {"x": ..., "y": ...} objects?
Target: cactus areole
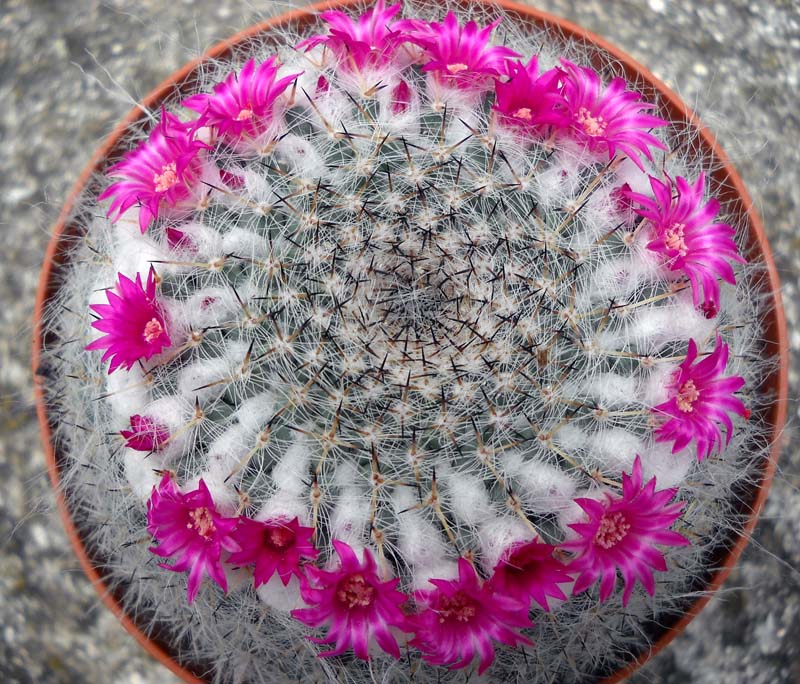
[{"x": 409, "y": 343}]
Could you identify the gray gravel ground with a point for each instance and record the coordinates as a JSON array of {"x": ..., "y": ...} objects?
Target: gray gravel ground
[{"x": 68, "y": 70}]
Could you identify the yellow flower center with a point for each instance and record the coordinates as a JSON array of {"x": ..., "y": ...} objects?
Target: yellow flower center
[
  {"x": 355, "y": 591},
  {"x": 687, "y": 395},
  {"x": 167, "y": 178},
  {"x": 152, "y": 330},
  {"x": 523, "y": 113},
  {"x": 202, "y": 522},
  {"x": 244, "y": 115},
  {"x": 460, "y": 608},
  {"x": 456, "y": 68},
  {"x": 279, "y": 538},
  {"x": 592, "y": 125},
  {"x": 675, "y": 239},
  {"x": 612, "y": 530}
]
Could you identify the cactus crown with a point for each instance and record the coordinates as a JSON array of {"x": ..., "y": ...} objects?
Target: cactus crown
[{"x": 411, "y": 342}]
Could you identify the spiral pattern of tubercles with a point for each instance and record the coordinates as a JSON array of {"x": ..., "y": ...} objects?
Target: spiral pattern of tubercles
[{"x": 413, "y": 336}]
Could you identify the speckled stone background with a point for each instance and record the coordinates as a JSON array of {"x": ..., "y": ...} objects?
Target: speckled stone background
[{"x": 70, "y": 68}]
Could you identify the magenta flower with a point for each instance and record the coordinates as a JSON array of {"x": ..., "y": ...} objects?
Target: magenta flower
[
  {"x": 369, "y": 42},
  {"x": 461, "y": 618},
  {"x": 146, "y": 434},
  {"x": 354, "y": 603},
  {"x": 242, "y": 107},
  {"x": 459, "y": 56},
  {"x": 189, "y": 527},
  {"x": 178, "y": 239},
  {"x": 610, "y": 119},
  {"x": 621, "y": 532},
  {"x": 621, "y": 197},
  {"x": 401, "y": 98},
  {"x": 701, "y": 399},
  {"x": 528, "y": 570},
  {"x": 273, "y": 546},
  {"x": 133, "y": 322},
  {"x": 530, "y": 101},
  {"x": 323, "y": 86},
  {"x": 161, "y": 175},
  {"x": 687, "y": 237}
]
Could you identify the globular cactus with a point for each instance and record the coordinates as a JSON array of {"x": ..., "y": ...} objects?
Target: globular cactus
[{"x": 417, "y": 359}]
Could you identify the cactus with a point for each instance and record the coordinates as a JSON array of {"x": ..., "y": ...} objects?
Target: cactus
[{"x": 417, "y": 363}]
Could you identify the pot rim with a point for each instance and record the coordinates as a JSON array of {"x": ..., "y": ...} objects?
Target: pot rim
[{"x": 733, "y": 190}]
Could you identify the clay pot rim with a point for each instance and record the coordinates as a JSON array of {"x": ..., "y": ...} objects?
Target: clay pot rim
[{"x": 734, "y": 190}]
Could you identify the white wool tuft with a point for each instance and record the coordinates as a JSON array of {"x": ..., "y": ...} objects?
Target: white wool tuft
[
  {"x": 210, "y": 307},
  {"x": 245, "y": 243},
  {"x": 612, "y": 390},
  {"x": 281, "y": 598},
  {"x": 301, "y": 155},
  {"x": 571, "y": 438},
  {"x": 629, "y": 173},
  {"x": 615, "y": 450},
  {"x": 467, "y": 498},
  {"x": 351, "y": 514},
  {"x": 140, "y": 472},
  {"x": 127, "y": 392},
  {"x": 137, "y": 251},
  {"x": 544, "y": 487},
  {"x": 228, "y": 449},
  {"x": 654, "y": 388},
  {"x": 420, "y": 541},
  {"x": 285, "y": 505},
  {"x": 654, "y": 327},
  {"x": 497, "y": 535},
  {"x": 670, "y": 470},
  {"x": 291, "y": 473},
  {"x": 255, "y": 412}
]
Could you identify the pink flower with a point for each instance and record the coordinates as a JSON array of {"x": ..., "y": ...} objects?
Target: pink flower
[
  {"x": 161, "y": 174},
  {"x": 610, "y": 119},
  {"x": 461, "y": 618},
  {"x": 529, "y": 101},
  {"x": 528, "y": 570},
  {"x": 460, "y": 56},
  {"x": 701, "y": 399},
  {"x": 146, "y": 434},
  {"x": 621, "y": 532},
  {"x": 242, "y": 107},
  {"x": 687, "y": 237},
  {"x": 133, "y": 322},
  {"x": 621, "y": 197},
  {"x": 354, "y": 603},
  {"x": 276, "y": 545},
  {"x": 401, "y": 98},
  {"x": 189, "y": 527},
  {"x": 178, "y": 239},
  {"x": 368, "y": 43},
  {"x": 323, "y": 86}
]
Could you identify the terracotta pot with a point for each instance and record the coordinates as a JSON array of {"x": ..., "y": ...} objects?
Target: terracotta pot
[{"x": 733, "y": 192}]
